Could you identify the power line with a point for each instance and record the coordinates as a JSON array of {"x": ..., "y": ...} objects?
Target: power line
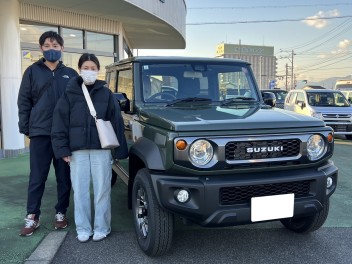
[
  {"x": 262, "y": 21},
  {"x": 347, "y": 57},
  {"x": 342, "y": 25},
  {"x": 333, "y": 37}
]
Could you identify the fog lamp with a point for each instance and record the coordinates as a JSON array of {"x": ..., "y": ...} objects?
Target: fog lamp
[
  {"x": 182, "y": 195},
  {"x": 329, "y": 182}
]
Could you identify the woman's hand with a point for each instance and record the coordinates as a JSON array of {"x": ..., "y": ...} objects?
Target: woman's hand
[{"x": 67, "y": 159}]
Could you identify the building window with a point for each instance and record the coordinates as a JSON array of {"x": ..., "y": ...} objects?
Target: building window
[
  {"x": 73, "y": 38},
  {"x": 100, "y": 42},
  {"x": 102, "y": 45},
  {"x": 31, "y": 33}
]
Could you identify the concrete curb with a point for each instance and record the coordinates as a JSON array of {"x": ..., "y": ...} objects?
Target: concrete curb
[{"x": 47, "y": 249}]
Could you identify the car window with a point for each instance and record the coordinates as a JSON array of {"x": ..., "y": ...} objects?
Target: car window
[
  {"x": 125, "y": 83},
  {"x": 292, "y": 98},
  {"x": 347, "y": 94},
  {"x": 300, "y": 98},
  {"x": 327, "y": 99}
]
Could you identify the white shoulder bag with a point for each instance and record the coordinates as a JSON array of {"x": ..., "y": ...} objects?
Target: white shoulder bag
[{"x": 107, "y": 136}]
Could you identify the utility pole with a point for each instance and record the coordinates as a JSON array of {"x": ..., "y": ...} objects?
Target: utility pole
[
  {"x": 286, "y": 75},
  {"x": 260, "y": 72},
  {"x": 292, "y": 78},
  {"x": 239, "y": 42},
  {"x": 290, "y": 58}
]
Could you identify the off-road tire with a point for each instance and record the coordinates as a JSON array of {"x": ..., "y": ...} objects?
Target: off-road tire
[
  {"x": 309, "y": 223},
  {"x": 158, "y": 224}
]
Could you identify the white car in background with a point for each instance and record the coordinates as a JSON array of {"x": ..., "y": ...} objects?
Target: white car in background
[{"x": 331, "y": 106}]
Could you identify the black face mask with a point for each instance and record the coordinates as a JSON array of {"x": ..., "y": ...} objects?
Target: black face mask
[{"x": 52, "y": 55}]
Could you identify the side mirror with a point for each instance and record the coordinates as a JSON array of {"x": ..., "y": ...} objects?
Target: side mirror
[
  {"x": 269, "y": 98},
  {"x": 301, "y": 104},
  {"x": 124, "y": 102}
]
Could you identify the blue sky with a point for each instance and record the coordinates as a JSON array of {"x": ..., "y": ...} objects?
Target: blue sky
[{"x": 323, "y": 47}]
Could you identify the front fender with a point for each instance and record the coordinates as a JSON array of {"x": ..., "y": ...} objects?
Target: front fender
[{"x": 149, "y": 153}]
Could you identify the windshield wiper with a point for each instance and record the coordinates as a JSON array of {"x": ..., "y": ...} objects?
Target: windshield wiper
[
  {"x": 237, "y": 99},
  {"x": 189, "y": 100}
]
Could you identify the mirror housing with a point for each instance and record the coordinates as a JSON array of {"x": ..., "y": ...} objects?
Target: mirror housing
[
  {"x": 124, "y": 102},
  {"x": 301, "y": 104},
  {"x": 269, "y": 98}
]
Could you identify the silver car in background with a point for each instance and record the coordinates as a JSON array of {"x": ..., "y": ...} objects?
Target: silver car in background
[{"x": 329, "y": 105}]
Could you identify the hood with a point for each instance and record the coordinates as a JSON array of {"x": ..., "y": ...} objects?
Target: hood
[
  {"x": 213, "y": 118},
  {"x": 332, "y": 110}
]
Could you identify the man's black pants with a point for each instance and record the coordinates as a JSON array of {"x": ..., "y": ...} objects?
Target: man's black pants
[{"x": 41, "y": 156}]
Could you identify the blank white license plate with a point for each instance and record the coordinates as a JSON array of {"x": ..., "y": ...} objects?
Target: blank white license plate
[{"x": 272, "y": 207}]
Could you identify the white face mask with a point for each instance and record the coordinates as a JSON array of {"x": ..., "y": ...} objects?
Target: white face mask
[{"x": 89, "y": 77}]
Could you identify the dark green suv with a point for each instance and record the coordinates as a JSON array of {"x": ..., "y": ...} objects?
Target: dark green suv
[{"x": 205, "y": 147}]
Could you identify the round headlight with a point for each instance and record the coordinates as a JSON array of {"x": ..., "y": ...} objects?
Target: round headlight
[
  {"x": 315, "y": 147},
  {"x": 200, "y": 152}
]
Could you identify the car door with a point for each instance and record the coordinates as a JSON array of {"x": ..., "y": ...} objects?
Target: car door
[
  {"x": 290, "y": 100},
  {"x": 300, "y": 104}
]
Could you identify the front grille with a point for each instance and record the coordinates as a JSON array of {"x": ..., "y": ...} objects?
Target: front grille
[
  {"x": 279, "y": 105},
  {"x": 243, "y": 194},
  {"x": 336, "y": 115},
  {"x": 262, "y": 149},
  {"x": 341, "y": 128}
]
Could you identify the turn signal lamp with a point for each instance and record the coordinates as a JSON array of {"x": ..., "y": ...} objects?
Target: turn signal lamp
[
  {"x": 330, "y": 138},
  {"x": 181, "y": 144}
]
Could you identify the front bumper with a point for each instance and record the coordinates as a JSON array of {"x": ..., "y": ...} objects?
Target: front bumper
[
  {"x": 340, "y": 128},
  {"x": 208, "y": 207}
]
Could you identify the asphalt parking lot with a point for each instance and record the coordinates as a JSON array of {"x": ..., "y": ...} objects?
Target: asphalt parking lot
[{"x": 259, "y": 243}]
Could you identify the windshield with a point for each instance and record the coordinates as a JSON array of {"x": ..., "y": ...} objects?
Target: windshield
[
  {"x": 348, "y": 95},
  {"x": 327, "y": 99},
  {"x": 186, "y": 83}
]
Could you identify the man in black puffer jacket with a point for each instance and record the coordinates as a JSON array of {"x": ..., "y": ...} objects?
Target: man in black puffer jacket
[{"x": 42, "y": 85}]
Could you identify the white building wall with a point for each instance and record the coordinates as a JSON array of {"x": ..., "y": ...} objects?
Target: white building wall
[
  {"x": 66, "y": 18},
  {"x": 165, "y": 10},
  {"x": 12, "y": 141}
]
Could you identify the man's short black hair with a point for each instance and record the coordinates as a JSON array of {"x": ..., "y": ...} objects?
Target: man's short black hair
[
  {"x": 52, "y": 35},
  {"x": 88, "y": 57}
]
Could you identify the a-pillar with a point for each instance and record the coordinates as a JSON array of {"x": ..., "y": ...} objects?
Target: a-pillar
[{"x": 12, "y": 142}]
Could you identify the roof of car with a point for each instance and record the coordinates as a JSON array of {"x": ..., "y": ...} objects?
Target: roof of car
[
  {"x": 308, "y": 87},
  {"x": 272, "y": 90},
  {"x": 178, "y": 59},
  {"x": 315, "y": 90}
]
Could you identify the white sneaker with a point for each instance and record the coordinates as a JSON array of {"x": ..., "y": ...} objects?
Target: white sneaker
[
  {"x": 83, "y": 238},
  {"x": 98, "y": 237}
]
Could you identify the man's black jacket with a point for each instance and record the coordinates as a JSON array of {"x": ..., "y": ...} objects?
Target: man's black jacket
[
  {"x": 74, "y": 127},
  {"x": 39, "y": 92}
]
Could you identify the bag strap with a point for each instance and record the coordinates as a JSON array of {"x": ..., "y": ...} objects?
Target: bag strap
[{"x": 89, "y": 101}]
